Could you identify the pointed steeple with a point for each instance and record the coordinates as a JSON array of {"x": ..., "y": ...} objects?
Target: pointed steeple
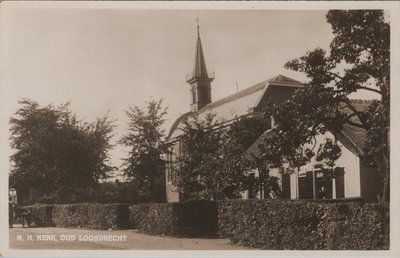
[
  {"x": 199, "y": 66},
  {"x": 199, "y": 80}
]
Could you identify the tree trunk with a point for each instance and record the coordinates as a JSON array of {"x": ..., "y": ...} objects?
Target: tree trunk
[{"x": 386, "y": 132}]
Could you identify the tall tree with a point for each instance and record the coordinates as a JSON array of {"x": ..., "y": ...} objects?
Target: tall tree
[
  {"x": 144, "y": 165},
  {"x": 236, "y": 173},
  {"x": 57, "y": 157},
  {"x": 358, "y": 60},
  {"x": 212, "y": 164},
  {"x": 198, "y": 159}
]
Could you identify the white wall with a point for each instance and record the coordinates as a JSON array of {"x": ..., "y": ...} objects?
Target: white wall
[
  {"x": 352, "y": 180},
  {"x": 348, "y": 160},
  {"x": 293, "y": 186}
]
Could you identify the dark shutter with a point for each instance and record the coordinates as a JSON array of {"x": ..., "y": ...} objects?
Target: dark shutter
[
  {"x": 339, "y": 182},
  {"x": 306, "y": 186},
  {"x": 286, "y": 186}
]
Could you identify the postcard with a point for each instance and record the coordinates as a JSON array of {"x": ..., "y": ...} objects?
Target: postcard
[{"x": 199, "y": 128}]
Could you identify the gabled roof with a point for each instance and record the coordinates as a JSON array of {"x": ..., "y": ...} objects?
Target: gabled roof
[
  {"x": 239, "y": 103},
  {"x": 253, "y": 150},
  {"x": 177, "y": 122},
  {"x": 283, "y": 79},
  {"x": 278, "y": 80},
  {"x": 352, "y": 137}
]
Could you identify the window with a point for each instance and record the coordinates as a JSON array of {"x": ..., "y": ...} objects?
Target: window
[
  {"x": 322, "y": 184},
  {"x": 194, "y": 96}
]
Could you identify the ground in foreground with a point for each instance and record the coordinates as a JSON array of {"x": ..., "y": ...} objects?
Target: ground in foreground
[{"x": 86, "y": 239}]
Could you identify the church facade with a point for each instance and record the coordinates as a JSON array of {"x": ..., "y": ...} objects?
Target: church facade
[{"x": 354, "y": 178}]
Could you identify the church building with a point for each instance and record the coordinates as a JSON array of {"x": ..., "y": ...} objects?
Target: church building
[{"x": 354, "y": 178}]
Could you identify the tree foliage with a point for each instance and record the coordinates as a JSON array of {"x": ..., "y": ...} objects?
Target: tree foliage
[
  {"x": 199, "y": 158},
  {"x": 328, "y": 153},
  {"x": 118, "y": 192},
  {"x": 240, "y": 167},
  {"x": 57, "y": 158},
  {"x": 358, "y": 60},
  {"x": 212, "y": 164},
  {"x": 144, "y": 165}
]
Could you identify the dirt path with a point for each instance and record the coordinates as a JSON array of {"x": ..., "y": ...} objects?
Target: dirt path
[{"x": 84, "y": 239}]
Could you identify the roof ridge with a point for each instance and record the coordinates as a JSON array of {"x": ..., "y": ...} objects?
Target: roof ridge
[
  {"x": 231, "y": 97},
  {"x": 283, "y": 79},
  {"x": 251, "y": 89},
  {"x": 242, "y": 93}
]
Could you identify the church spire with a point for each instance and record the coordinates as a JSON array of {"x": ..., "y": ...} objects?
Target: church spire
[
  {"x": 199, "y": 67},
  {"x": 200, "y": 80}
]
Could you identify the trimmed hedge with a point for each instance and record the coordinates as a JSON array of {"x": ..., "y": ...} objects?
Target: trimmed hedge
[
  {"x": 105, "y": 216},
  {"x": 304, "y": 225},
  {"x": 193, "y": 218},
  {"x": 355, "y": 227},
  {"x": 71, "y": 215},
  {"x": 95, "y": 216},
  {"x": 41, "y": 215},
  {"x": 266, "y": 224}
]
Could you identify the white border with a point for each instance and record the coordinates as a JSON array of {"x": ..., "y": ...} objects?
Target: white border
[{"x": 393, "y": 7}]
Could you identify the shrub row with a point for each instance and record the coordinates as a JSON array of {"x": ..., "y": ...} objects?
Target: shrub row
[
  {"x": 96, "y": 216},
  {"x": 84, "y": 215},
  {"x": 193, "y": 218},
  {"x": 41, "y": 215},
  {"x": 266, "y": 224},
  {"x": 304, "y": 225}
]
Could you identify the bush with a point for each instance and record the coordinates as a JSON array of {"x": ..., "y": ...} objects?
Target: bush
[
  {"x": 197, "y": 218},
  {"x": 106, "y": 216},
  {"x": 138, "y": 213},
  {"x": 356, "y": 227},
  {"x": 41, "y": 215},
  {"x": 96, "y": 216},
  {"x": 71, "y": 215},
  {"x": 304, "y": 225},
  {"x": 269, "y": 224},
  {"x": 153, "y": 218},
  {"x": 193, "y": 218}
]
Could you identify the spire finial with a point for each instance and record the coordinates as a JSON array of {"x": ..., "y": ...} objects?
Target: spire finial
[{"x": 198, "y": 27}]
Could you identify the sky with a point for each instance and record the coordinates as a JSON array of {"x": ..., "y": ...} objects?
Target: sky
[{"x": 105, "y": 60}]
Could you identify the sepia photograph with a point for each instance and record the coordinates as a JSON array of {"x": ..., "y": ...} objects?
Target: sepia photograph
[{"x": 198, "y": 127}]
